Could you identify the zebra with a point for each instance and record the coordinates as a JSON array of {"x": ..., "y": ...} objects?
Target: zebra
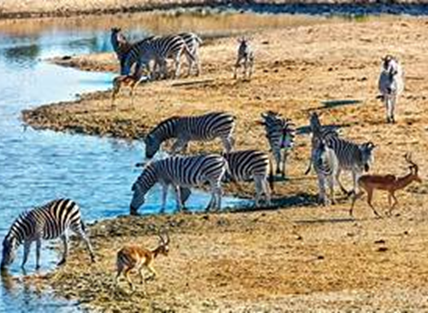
[
  {"x": 326, "y": 166},
  {"x": 49, "y": 221},
  {"x": 120, "y": 44},
  {"x": 251, "y": 164},
  {"x": 318, "y": 131},
  {"x": 353, "y": 157},
  {"x": 193, "y": 42},
  {"x": 180, "y": 171},
  {"x": 391, "y": 85},
  {"x": 156, "y": 49},
  {"x": 281, "y": 134},
  {"x": 205, "y": 127},
  {"x": 245, "y": 56}
]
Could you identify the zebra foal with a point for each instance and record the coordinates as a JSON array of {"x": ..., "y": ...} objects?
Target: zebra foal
[
  {"x": 281, "y": 134},
  {"x": 245, "y": 57},
  {"x": 391, "y": 85},
  {"x": 181, "y": 173},
  {"x": 251, "y": 164},
  {"x": 49, "y": 221},
  {"x": 205, "y": 127}
]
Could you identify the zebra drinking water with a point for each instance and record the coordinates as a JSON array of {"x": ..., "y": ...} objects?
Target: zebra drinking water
[
  {"x": 180, "y": 172},
  {"x": 281, "y": 134},
  {"x": 391, "y": 85},
  {"x": 251, "y": 164},
  {"x": 156, "y": 49},
  {"x": 205, "y": 127},
  {"x": 245, "y": 57},
  {"x": 49, "y": 221}
]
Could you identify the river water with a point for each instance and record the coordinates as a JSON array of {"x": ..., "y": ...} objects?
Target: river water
[{"x": 38, "y": 166}]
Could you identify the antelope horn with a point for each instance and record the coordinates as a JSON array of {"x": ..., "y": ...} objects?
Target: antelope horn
[{"x": 413, "y": 165}]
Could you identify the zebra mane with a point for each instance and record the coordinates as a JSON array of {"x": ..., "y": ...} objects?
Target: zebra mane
[
  {"x": 166, "y": 129},
  {"x": 12, "y": 231}
]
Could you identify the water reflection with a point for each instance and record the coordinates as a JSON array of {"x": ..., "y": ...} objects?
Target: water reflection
[{"x": 23, "y": 54}]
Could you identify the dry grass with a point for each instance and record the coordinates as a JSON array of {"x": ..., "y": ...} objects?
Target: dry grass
[{"x": 300, "y": 259}]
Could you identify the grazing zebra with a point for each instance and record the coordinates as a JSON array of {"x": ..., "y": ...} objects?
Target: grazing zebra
[
  {"x": 318, "y": 131},
  {"x": 49, "y": 221},
  {"x": 391, "y": 85},
  {"x": 280, "y": 133},
  {"x": 205, "y": 127},
  {"x": 180, "y": 172},
  {"x": 245, "y": 56},
  {"x": 120, "y": 44},
  {"x": 156, "y": 49},
  {"x": 326, "y": 166},
  {"x": 251, "y": 164},
  {"x": 353, "y": 157}
]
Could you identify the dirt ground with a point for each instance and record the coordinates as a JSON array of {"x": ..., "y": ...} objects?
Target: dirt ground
[{"x": 300, "y": 257}]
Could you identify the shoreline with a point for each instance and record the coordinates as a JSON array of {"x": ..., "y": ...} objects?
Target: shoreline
[{"x": 300, "y": 257}]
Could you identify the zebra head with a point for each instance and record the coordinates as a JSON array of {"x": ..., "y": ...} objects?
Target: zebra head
[
  {"x": 141, "y": 186},
  {"x": 9, "y": 250},
  {"x": 367, "y": 157},
  {"x": 152, "y": 146},
  {"x": 314, "y": 122}
]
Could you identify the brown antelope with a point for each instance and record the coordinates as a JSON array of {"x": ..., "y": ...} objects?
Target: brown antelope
[
  {"x": 130, "y": 81},
  {"x": 390, "y": 183},
  {"x": 135, "y": 257}
]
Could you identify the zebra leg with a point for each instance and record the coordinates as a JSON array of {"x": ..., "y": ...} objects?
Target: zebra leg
[
  {"x": 277, "y": 157},
  {"x": 177, "y": 65},
  {"x": 251, "y": 68},
  {"x": 393, "y": 101},
  {"x": 178, "y": 198},
  {"x": 27, "y": 248},
  {"x": 284, "y": 161},
  {"x": 38, "y": 248},
  {"x": 237, "y": 64},
  {"x": 82, "y": 234},
  {"x": 330, "y": 181},
  {"x": 164, "y": 196},
  {"x": 259, "y": 188},
  {"x": 266, "y": 191},
  {"x": 339, "y": 183},
  {"x": 64, "y": 239},
  {"x": 321, "y": 187},
  {"x": 388, "y": 108}
]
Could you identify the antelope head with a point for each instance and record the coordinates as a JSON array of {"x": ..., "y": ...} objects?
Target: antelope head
[
  {"x": 163, "y": 242},
  {"x": 413, "y": 167}
]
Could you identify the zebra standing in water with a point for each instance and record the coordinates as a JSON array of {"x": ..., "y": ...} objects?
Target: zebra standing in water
[
  {"x": 120, "y": 44},
  {"x": 156, "y": 49},
  {"x": 205, "y": 127},
  {"x": 280, "y": 133},
  {"x": 245, "y": 56},
  {"x": 326, "y": 166},
  {"x": 251, "y": 164},
  {"x": 49, "y": 221},
  {"x": 353, "y": 157},
  {"x": 180, "y": 172},
  {"x": 391, "y": 85}
]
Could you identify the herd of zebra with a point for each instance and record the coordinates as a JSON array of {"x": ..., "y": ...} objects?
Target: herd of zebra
[{"x": 330, "y": 153}]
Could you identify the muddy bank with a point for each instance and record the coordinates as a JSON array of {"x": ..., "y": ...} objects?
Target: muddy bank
[{"x": 300, "y": 257}]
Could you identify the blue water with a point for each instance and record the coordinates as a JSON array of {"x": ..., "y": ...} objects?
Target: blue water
[{"x": 38, "y": 166}]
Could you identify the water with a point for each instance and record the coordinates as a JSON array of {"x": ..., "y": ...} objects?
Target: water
[{"x": 38, "y": 166}]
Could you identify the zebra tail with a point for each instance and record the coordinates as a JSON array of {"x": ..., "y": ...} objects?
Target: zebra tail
[
  {"x": 309, "y": 167},
  {"x": 82, "y": 225},
  {"x": 271, "y": 177}
]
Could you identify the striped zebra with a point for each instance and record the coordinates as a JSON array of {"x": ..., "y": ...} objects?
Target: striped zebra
[
  {"x": 49, "y": 221},
  {"x": 251, "y": 164},
  {"x": 120, "y": 44},
  {"x": 326, "y": 166},
  {"x": 180, "y": 172},
  {"x": 281, "y": 134},
  {"x": 193, "y": 42},
  {"x": 156, "y": 49},
  {"x": 205, "y": 127},
  {"x": 391, "y": 85},
  {"x": 353, "y": 157},
  {"x": 245, "y": 57},
  {"x": 318, "y": 131}
]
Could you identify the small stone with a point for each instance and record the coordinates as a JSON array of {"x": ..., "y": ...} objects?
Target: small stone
[
  {"x": 380, "y": 241},
  {"x": 382, "y": 249}
]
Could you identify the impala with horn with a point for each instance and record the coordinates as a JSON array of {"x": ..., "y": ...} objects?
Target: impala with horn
[{"x": 389, "y": 183}]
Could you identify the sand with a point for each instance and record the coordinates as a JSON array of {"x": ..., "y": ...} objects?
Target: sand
[{"x": 300, "y": 257}]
